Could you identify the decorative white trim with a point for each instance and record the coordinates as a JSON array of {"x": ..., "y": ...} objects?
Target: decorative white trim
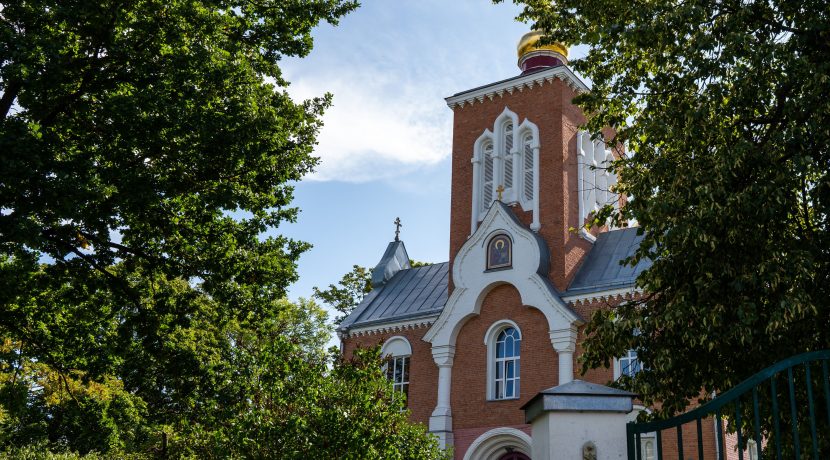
[
  {"x": 537, "y": 78},
  {"x": 473, "y": 282},
  {"x": 490, "y": 335},
  {"x": 396, "y": 346},
  {"x": 626, "y": 293},
  {"x": 491, "y": 445},
  {"x": 397, "y": 326}
]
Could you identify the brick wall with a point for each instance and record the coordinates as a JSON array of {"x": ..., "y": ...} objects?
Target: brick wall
[
  {"x": 549, "y": 107},
  {"x": 423, "y": 373}
]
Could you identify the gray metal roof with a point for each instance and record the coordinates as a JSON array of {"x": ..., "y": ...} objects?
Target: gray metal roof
[
  {"x": 410, "y": 293},
  {"x": 602, "y": 270}
]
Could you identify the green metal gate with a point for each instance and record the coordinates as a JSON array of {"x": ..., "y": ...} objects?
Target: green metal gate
[{"x": 782, "y": 413}]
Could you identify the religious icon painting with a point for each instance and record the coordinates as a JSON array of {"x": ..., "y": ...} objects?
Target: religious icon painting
[{"x": 499, "y": 252}]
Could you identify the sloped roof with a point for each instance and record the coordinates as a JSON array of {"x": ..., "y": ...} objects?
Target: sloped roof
[
  {"x": 602, "y": 269},
  {"x": 409, "y": 294}
]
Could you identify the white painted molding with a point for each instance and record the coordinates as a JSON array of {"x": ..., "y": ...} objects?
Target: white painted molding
[
  {"x": 396, "y": 346},
  {"x": 473, "y": 282},
  {"x": 498, "y": 326},
  {"x": 625, "y": 293},
  {"x": 564, "y": 339},
  {"x": 491, "y": 445},
  {"x": 517, "y": 84},
  {"x": 397, "y": 326}
]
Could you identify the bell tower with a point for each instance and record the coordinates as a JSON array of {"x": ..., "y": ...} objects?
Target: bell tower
[{"x": 521, "y": 136}]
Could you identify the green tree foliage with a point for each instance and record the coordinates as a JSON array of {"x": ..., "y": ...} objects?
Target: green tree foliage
[
  {"x": 723, "y": 107},
  {"x": 348, "y": 293},
  {"x": 351, "y": 289},
  {"x": 145, "y": 148}
]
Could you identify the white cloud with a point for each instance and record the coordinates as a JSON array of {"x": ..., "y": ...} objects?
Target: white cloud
[{"x": 378, "y": 127}]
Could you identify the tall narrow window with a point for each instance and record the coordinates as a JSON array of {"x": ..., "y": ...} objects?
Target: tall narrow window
[
  {"x": 397, "y": 371},
  {"x": 397, "y": 352},
  {"x": 487, "y": 179},
  {"x": 506, "y": 383},
  {"x": 508, "y": 157},
  {"x": 527, "y": 160}
]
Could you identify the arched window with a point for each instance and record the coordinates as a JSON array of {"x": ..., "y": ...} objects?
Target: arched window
[
  {"x": 527, "y": 167},
  {"x": 506, "y": 156},
  {"x": 488, "y": 173},
  {"x": 595, "y": 178},
  {"x": 504, "y": 341},
  {"x": 508, "y": 161},
  {"x": 397, "y": 352}
]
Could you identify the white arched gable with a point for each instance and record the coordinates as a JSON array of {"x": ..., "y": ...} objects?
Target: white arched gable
[
  {"x": 494, "y": 443},
  {"x": 528, "y": 275},
  {"x": 396, "y": 346}
]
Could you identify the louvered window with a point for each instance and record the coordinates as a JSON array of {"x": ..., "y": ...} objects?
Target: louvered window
[
  {"x": 508, "y": 157},
  {"x": 487, "y": 182},
  {"x": 527, "y": 160}
]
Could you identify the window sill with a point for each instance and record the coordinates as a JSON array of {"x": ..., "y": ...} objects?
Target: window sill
[{"x": 504, "y": 399}]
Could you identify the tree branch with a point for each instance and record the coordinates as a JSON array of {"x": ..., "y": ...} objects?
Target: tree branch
[{"x": 9, "y": 95}]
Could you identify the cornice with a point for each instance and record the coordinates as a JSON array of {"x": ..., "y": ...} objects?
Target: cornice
[
  {"x": 424, "y": 321},
  {"x": 518, "y": 84},
  {"x": 626, "y": 293}
]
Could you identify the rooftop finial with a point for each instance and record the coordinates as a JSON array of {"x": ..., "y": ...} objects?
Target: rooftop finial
[
  {"x": 500, "y": 190},
  {"x": 398, "y": 226}
]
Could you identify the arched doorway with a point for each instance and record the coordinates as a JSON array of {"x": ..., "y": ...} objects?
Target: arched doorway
[
  {"x": 514, "y": 456},
  {"x": 501, "y": 443}
]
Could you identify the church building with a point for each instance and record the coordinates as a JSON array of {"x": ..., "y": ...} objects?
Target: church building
[{"x": 474, "y": 342}]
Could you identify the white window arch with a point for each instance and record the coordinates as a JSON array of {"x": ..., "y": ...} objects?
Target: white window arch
[
  {"x": 397, "y": 351},
  {"x": 503, "y": 340},
  {"x": 507, "y": 156},
  {"x": 595, "y": 178}
]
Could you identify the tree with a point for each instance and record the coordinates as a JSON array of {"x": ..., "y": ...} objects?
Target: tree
[
  {"x": 351, "y": 290},
  {"x": 146, "y": 148},
  {"x": 722, "y": 107}
]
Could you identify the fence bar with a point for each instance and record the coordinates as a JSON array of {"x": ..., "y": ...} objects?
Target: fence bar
[
  {"x": 629, "y": 439},
  {"x": 793, "y": 414},
  {"x": 812, "y": 410},
  {"x": 719, "y": 441},
  {"x": 757, "y": 421},
  {"x": 825, "y": 378},
  {"x": 659, "y": 441},
  {"x": 776, "y": 418},
  {"x": 699, "y": 440},
  {"x": 739, "y": 428},
  {"x": 680, "y": 442}
]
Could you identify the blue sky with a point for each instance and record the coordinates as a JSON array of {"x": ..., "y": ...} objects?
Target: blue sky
[{"x": 386, "y": 142}]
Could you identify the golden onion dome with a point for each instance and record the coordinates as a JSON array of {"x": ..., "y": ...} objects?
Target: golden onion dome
[{"x": 530, "y": 43}]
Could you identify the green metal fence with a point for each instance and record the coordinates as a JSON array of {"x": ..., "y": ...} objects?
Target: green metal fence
[{"x": 782, "y": 413}]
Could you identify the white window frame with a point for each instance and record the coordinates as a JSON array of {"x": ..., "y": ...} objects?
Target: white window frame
[
  {"x": 514, "y": 194},
  {"x": 397, "y": 351},
  {"x": 490, "y": 338},
  {"x": 618, "y": 363}
]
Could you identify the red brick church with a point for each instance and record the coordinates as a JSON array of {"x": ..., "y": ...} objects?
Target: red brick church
[{"x": 473, "y": 342}]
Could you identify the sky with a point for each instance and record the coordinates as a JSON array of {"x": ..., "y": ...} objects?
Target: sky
[{"x": 386, "y": 142}]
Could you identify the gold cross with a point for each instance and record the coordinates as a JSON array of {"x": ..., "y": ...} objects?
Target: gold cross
[{"x": 500, "y": 190}]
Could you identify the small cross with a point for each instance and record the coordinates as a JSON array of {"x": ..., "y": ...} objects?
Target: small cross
[
  {"x": 398, "y": 226},
  {"x": 500, "y": 190}
]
